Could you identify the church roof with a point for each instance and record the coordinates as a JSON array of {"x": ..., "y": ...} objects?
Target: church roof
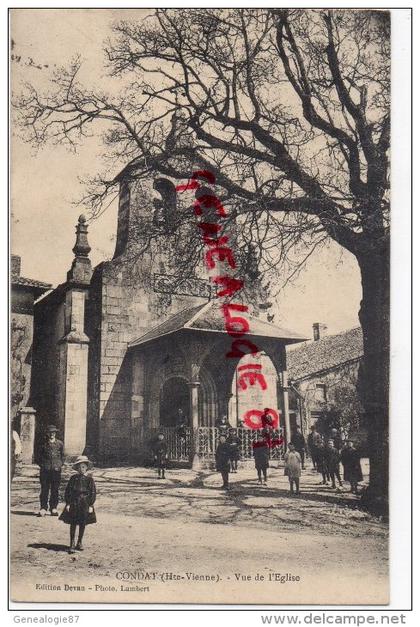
[
  {"x": 209, "y": 318},
  {"x": 325, "y": 354}
]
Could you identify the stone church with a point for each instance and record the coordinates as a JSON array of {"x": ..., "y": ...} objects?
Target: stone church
[{"x": 118, "y": 349}]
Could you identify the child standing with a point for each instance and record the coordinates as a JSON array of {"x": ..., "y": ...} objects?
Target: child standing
[
  {"x": 234, "y": 443},
  {"x": 223, "y": 460},
  {"x": 293, "y": 467},
  {"x": 261, "y": 452},
  {"x": 80, "y": 496},
  {"x": 160, "y": 450}
]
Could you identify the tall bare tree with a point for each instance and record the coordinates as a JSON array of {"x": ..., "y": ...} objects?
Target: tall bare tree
[{"x": 290, "y": 108}]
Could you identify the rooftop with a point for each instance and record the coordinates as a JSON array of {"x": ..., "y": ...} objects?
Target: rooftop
[
  {"x": 209, "y": 318},
  {"x": 325, "y": 354},
  {"x": 37, "y": 287},
  {"x": 30, "y": 283}
]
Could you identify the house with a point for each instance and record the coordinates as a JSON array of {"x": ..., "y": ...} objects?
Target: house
[
  {"x": 323, "y": 376},
  {"x": 24, "y": 293}
]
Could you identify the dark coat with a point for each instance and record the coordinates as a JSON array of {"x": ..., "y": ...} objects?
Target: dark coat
[
  {"x": 338, "y": 441},
  {"x": 223, "y": 457},
  {"x": 160, "y": 452},
  {"x": 80, "y": 494},
  {"x": 223, "y": 425},
  {"x": 314, "y": 440},
  {"x": 235, "y": 447},
  {"x": 261, "y": 454},
  {"x": 51, "y": 455},
  {"x": 350, "y": 459},
  {"x": 298, "y": 441},
  {"x": 331, "y": 458}
]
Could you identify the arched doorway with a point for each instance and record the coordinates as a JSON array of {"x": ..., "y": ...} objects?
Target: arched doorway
[
  {"x": 174, "y": 395},
  {"x": 253, "y": 397}
]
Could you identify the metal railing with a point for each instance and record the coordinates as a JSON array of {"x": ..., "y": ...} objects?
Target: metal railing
[{"x": 180, "y": 442}]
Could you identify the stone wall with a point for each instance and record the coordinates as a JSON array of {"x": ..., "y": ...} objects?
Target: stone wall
[
  {"x": 123, "y": 306},
  {"x": 21, "y": 335},
  {"x": 49, "y": 328},
  {"x": 119, "y": 311}
]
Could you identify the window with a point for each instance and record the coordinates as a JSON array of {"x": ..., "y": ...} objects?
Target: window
[{"x": 321, "y": 392}]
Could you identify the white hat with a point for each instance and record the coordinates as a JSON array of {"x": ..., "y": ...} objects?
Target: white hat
[{"x": 82, "y": 459}]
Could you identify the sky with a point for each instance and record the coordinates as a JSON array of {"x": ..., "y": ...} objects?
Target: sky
[{"x": 46, "y": 184}]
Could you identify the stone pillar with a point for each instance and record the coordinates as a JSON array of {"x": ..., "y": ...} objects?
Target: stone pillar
[
  {"x": 194, "y": 387},
  {"x": 73, "y": 349},
  {"x": 137, "y": 435},
  {"x": 285, "y": 404},
  {"x": 278, "y": 356},
  {"x": 27, "y": 433}
]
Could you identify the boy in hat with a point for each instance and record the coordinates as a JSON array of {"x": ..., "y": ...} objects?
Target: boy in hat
[
  {"x": 261, "y": 452},
  {"x": 160, "y": 453},
  {"x": 50, "y": 461},
  {"x": 80, "y": 496}
]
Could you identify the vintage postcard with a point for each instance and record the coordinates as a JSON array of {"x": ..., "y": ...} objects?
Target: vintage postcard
[{"x": 200, "y": 305}]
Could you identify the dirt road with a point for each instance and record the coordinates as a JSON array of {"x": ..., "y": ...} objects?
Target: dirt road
[{"x": 183, "y": 540}]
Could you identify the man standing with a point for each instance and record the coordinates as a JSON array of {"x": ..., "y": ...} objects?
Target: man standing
[
  {"x": 332, "y": 463},
  {"x": 298, "y": 442},
  {"x": 223, "y": 424},
  {"x": 315, "y": 446},
  {"x": 235, "y": 446},
  {"x": 50, "y": 461},
  {"x": 181, "y": 431},
  {"x": 223, "y": 460}
]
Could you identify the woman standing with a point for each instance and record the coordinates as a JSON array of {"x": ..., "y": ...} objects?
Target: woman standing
[{"x": 350, "y": 459}]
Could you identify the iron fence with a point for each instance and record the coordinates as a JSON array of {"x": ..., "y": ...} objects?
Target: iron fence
[{"x": 180, "y": 442}]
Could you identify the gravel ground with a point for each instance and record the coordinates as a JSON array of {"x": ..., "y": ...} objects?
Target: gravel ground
[{"x": 184, "y": 540}]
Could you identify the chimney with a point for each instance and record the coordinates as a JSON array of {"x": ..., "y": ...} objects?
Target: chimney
[
  {"x": 320, "y": 330},
  {"x": 15, "y": 266}
]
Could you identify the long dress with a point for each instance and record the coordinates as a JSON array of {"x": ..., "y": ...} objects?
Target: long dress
[
  {"x": 223, "y": 457},
  {"x": 293, "y": 464},
  {"x": 80, "y": 494},
  {"x": 350, "y": 459}
]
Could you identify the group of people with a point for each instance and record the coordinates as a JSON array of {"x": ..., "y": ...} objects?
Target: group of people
[
  {"x": 227, "y": 455},
  {"x": 327, "y": 453},
  {"x": 80, "y": 494}
]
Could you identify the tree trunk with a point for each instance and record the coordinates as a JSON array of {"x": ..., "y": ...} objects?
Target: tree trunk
[{"x": 374, "y": 317}]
